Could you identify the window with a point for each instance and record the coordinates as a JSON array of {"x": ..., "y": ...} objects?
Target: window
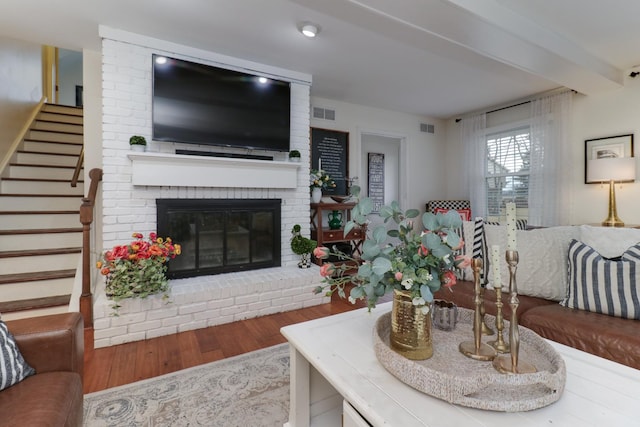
[{"x": 507, "y": 171}]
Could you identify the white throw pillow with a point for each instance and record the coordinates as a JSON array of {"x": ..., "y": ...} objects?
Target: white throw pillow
[
  {"x": 542, "y": 268},
  {"x": 610, "y": 242}
]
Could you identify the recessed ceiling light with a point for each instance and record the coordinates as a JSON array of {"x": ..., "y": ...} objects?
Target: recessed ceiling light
[
  {"x": 263, "y": 80},
  {"x": 309, "y": 29},
  {"x": 161, "y": 60}
]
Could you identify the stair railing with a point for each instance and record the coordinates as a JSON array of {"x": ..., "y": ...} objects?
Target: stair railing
[
  {"x": 78, "y": 168},
  {"x": 86, "y": 218}
]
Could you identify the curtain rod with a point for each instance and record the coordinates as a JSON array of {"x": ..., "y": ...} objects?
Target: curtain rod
[{"x": 522, "y": 101}]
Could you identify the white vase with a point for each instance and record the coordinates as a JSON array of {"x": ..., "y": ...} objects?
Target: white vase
[
  {"x": 316, "y": 195},
  {"x": 138, "y": 147}
]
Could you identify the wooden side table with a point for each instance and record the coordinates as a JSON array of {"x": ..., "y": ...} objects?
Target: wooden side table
[{"x": 326, "y": 236}]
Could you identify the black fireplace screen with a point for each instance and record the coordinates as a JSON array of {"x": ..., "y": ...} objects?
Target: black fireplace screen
[{"x": 220, "y": 235}]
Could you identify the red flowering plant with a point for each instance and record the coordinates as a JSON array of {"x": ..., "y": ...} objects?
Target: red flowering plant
[
  {"x": 138, "y": 269},
  {"x": 418, "y": 262}
]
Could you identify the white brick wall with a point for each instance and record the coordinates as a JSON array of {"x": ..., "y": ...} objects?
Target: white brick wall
[{"x": 202, "y": 301}]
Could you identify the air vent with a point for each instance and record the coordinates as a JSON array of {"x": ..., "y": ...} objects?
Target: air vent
[
  {"x": 324, "y": 113},
  {"x": 424, "y": 127}
]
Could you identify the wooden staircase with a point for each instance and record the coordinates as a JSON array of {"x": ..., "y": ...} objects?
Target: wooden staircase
[{"x": 40, "y": 230}]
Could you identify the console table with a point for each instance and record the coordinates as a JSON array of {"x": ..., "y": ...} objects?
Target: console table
[
  {"x": 335, "y": 375},
  {"x": 327, "y": 237}
]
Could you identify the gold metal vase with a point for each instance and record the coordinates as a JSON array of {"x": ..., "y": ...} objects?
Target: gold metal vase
[{"x": 410, "y": 328}]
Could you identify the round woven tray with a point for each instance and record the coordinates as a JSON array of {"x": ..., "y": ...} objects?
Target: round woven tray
[{"x": 451, "y": 376}]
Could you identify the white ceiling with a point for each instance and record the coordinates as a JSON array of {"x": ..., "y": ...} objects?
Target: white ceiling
[{"x": 436, "y": 58}]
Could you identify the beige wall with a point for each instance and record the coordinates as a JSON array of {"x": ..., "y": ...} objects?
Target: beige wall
[
  {"x": 596, "y": 116},
  {"x": 20, "y": 87},
  {"x": 606, "y": 114},
  {"x": 422, "y": 170}
]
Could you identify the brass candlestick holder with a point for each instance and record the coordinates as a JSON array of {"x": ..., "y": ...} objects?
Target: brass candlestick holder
[
  {"x": 476, "y": 349},
  {"x": 486, "y": 329},
  {"x": 511, "y": 365},
  {"x": 499, "y": 344}
]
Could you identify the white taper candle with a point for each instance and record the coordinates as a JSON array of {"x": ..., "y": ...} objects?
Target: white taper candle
[
  {"x": 511, "y": 227},
  {"x": 495, "y": 265}
]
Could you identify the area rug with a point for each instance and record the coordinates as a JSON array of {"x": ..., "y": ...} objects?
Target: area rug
[{"x": 249, "y": 390}]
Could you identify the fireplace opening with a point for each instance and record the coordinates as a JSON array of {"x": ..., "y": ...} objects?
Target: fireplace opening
[{"x": 220, "y": 235}]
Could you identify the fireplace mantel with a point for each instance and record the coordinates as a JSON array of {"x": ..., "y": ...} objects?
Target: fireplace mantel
[{"x": 162, "y": 169}]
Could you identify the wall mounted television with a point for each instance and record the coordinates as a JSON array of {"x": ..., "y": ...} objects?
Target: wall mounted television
[{"x": 201, "y": 104}]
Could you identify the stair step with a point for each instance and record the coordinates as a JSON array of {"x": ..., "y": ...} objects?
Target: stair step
[
  {"x": 55, "y": 126},
  {"x": 29, "y": 240},
  {"x": 44, "y": 135},
  {"x": 28, "y": 220},
  {"x": 35, "y": 303},
  {"x": 39, "y": 252},
  {"x": 14, "y": 291},
  {"x": 52, "y": 147},
  {"x": 13, "y": 262},
  {"x": 36, "y": 276},
  {"x": 62, "y": 109},
  {"x": 60, "y": 118},
  {"x": 49, "y": 159},
  {"x": 21, "y": 202},
  {"x": 39, "y": 186},
  {"x": 27, "y": 170}
]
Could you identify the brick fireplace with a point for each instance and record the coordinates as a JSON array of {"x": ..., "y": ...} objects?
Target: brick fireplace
[{"x": 132, "y": 182}]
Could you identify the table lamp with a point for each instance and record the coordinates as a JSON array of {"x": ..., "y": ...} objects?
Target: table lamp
[{"x": 612, "y": 170}]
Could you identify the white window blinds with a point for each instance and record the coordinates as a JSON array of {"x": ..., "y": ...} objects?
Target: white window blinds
[{"x": 507, "y": 169}]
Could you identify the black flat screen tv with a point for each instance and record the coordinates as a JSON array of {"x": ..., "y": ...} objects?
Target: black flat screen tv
[{"x": 201, "y": 104}]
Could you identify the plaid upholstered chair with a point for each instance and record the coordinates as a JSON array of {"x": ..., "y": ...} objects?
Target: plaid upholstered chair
[{"x": 462, "y": 206}]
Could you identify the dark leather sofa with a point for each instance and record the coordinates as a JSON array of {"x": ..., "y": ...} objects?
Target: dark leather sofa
[
  {"x": 606, "y": 336},
  {"x": 54, "y": 346}
]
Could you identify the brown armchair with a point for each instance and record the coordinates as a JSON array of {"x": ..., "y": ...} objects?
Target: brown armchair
[{"x": 54, "y": 346}]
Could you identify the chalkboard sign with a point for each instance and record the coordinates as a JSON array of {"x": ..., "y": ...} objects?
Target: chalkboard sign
[
  {"x": 330, "y": 152},
  {"x": 376, "y": 180}
]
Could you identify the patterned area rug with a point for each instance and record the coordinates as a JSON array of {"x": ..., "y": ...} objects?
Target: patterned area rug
[{"x": 249, "y": 390}]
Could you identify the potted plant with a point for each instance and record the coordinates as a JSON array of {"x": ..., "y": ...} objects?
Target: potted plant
[
  {"x": 302, "y": 246},
  {"x": 294, "y": 156},
  {"x": 138, "y": 269},
  {"x": 138, "y": 143},
  {"x": 413, "y": 261}
]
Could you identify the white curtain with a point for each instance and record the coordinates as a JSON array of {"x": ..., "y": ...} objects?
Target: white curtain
[
  {"x": 475, "y": 159},
  {"x": 550, "y": 156}
]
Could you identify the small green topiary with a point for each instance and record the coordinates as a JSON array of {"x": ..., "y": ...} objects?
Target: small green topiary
[
  {"x": 301, "y": 245},
  {"x": 137, "y": 140}
]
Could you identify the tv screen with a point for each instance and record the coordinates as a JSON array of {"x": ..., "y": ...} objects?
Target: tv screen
[{"x": 202, "y": 104}]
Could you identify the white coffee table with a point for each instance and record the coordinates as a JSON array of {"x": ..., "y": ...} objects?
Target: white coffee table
[{"x": 334, "y": 370}]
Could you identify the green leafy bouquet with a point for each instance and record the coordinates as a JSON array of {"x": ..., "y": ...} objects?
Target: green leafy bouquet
[{"x": 419, "y": 262}]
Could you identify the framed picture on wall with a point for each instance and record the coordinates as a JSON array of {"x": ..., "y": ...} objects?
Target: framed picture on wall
[
  {"x": 330, "y": 152},
  {"x": 375, "y": 180},
  {"x": 610, "y": 147}
]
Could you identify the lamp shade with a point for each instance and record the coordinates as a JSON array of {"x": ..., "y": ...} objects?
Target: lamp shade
[{"x": 616, "y": 169}]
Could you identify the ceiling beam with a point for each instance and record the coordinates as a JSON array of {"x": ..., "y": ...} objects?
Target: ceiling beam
[{"x": 483, "y": 27}]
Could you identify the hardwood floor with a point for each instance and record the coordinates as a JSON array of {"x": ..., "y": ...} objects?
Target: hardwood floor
[{"x": 126, "y": 363}]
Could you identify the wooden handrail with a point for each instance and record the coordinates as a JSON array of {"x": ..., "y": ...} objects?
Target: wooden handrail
[
  {"x": 76, "y": 171},
  {"x": 86, "y": 218}
]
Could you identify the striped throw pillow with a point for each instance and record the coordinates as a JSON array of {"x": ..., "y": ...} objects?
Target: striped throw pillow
[
  {"x": 13, "y": 367},
  {"x": 601, "y": 285}
]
